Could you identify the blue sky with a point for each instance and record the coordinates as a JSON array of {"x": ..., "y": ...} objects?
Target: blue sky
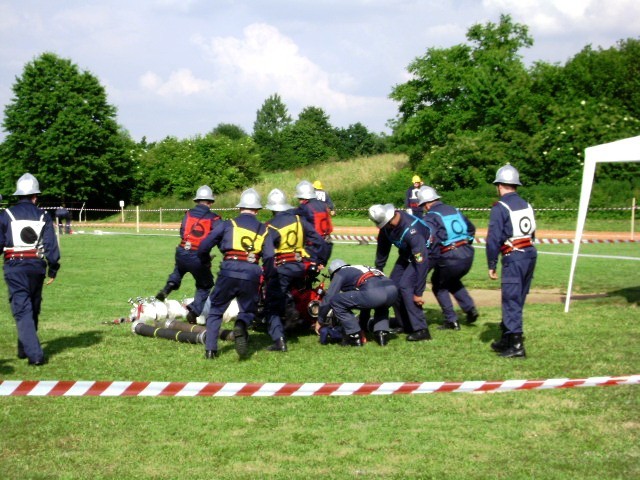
[{"x": 181, "y": 67}]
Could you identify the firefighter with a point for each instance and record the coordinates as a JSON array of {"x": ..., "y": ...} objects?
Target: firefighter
[
  {"x": 411, "y": 197},
  {"x": 196, "y": 225},
  {"x": 323, "y": 196},
  {"x": 511, "y": 232},
  {"x": 361, "y": 287},
  {"x": 410, "y": 235},
  {"x": 451, "y": 256},
  {"x": 317, "y": 214},
  {"x": 290, "y": 234},
  {"x": 31, "y": 253},
  {"x": 243, "y": 243}
]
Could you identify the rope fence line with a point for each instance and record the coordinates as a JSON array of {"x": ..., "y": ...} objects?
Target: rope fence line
[{"x": 56, "y": 388}]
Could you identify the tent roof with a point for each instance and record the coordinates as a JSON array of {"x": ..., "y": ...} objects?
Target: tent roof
[{"x": 625, "y": 150}]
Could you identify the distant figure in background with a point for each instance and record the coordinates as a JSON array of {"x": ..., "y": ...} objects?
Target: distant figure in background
[
  {"x": 30, "y": 246},
  {"x": 323, "y": 196},
  {"x": 63, "y": 214},
  {"x": 411, "y": 198},
  {"x": 196, "y": 225},
  {"x": 511, "y": 231}
]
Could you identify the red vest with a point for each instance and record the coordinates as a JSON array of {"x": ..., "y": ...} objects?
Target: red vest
[{"x": 195, "y": 230}]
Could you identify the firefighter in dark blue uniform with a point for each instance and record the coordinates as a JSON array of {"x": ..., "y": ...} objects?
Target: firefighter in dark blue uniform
[
  {"x": 511, "y": 232},
  {"x": 323, "y": 196},
  {"x": 411, "y": 198},
  {"x": 317, "y": 213},
  {"x": 291, "y": 234},
  {"x": 196, "y": 225},
  {"x": 28, "y": 239},
  {"x": 411, "y": 236},
  {"x": 451, "y": 256},
  {"x": 243, "y": 243},
  {"x": 361, "y": 287}
]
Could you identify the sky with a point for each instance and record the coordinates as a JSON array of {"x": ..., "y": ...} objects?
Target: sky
[{"x": 181, "y": 67}]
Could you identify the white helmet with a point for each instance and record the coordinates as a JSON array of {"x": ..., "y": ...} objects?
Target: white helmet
[
  {"x": 250, "y": 199},
  {"x": 204, "y": 193},
  {"x": 381, "y": 214},
  {"x": 508, "y": 175},
  {"x": 427, "y": 194},
  {"x": 305, "y": 190},
  {"x": 277, "y": 201},
  {"x": 27, "y": 185},
  {"x": 336, "y": 265}
]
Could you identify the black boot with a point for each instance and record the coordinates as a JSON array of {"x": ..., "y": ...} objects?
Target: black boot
[
  {"x": 501, "y": 345},
  {"x": 280, "y": 345},
  {"x": 516, "y": 347},
  {"x": 381, "y": 337},
  {"x": 241, "y": 338},
  {"x": 352, "y": 340},
  {"x": 472, "y": 315},
  {"x": 164, "y": 293},
  {"x": 227, "y": 335},
  {"x": 449, "y": 326},
  {"x": 210, "y": 354},
  {"x": 419, "y": 335},
  {"x": 192, "y": 318}
]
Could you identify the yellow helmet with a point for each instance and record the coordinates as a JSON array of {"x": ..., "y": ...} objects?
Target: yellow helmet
[
  {"x": 416, "y": 179},
  {"x": 318, "y": 185}
]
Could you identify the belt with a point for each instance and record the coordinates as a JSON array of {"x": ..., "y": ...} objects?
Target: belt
[
  {"x": 241, "y": 256},
  {"x": 518, "y": 244},
  {"x": 365, "y": 277},
  {"x": 19, "y": 255},
  {"x": 453, "y": 246},
  {"x": 282, "y": 258}
]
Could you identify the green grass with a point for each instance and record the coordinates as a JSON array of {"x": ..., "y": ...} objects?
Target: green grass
[{"x": 568, "y": 433}]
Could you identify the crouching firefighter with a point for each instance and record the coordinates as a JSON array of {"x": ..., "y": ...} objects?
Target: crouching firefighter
[
  {"x": 361, "y": 287},
  {"x": 289, "y": 233},
  {"x": 28, "y": 239},
  {"x": 195, "y": 226},
  {"x": 243, "y": 243}
]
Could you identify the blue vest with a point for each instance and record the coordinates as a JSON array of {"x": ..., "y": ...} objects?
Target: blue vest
[{"x": 455, "y": 226}]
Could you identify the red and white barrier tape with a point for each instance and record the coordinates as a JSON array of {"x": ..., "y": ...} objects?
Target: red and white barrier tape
[
  {"x": 481, "y": 240},
  {"x": 54, "y": 388}
]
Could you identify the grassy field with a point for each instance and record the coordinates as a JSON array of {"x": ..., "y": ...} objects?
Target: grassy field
[{"x": 569, "y": 433}]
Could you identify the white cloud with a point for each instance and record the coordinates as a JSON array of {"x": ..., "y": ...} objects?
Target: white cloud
[
  {"x": 180, "y": 83},
  {"x": 265, "y": 60}
]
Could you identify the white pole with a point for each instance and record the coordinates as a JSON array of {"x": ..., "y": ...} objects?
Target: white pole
[
  {"x": 160, "y": 217},
  {"x": 137, "y": 218},
  {"x": 633, "y": 216}
]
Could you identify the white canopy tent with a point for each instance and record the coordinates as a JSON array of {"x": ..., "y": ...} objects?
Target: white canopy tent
[{"x": 626, "y": 150}]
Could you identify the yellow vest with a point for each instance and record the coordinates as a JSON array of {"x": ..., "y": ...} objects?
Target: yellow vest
[
  {"x": 245, "y": 240},
  {"x": 291, "y": 238}
]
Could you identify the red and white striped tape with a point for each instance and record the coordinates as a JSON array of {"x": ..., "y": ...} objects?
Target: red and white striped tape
[
  {"x": 481, "y": 240},
  {"x": 55, "y": 388}
]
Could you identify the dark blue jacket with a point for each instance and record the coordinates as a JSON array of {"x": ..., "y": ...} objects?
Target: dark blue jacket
[
  {"x": 439, "y": 234},
  {"x": 24, "y": 209}
]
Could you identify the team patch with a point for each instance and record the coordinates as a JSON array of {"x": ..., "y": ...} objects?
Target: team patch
[{"x": 418, "y": 257}]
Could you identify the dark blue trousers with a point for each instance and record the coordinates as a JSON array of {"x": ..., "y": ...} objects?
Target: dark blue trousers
[
  {"x": 277, "y": 288},
  {"x": 24, "y": 279},
  {"x": 188, "y": 262},
  {"x": 246, "y": 292},
  {"x": 517, "y": 274},
  {"x": 447, "y": 280},
  {"x": 378, "y": 294},
  {"x": 410, "y": 315}
]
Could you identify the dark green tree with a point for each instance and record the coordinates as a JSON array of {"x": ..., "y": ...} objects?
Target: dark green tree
[
  {"x": 61, "y": 129},
  {"x": 234, "y": 132},
  {"x": 271, "y": 121},
  {"x": 311, "y": 139}
]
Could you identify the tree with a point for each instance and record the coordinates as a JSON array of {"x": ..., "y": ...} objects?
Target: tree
[
  {"x": 271, "y": 121},
  {"x": 465, "y": 87},
  {"x": 61, "y": 129},
  {"x": 229, "y": 130},
  {"x": 311, "y": 138}
]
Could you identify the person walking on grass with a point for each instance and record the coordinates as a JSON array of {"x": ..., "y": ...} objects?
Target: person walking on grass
[
  {"x": 243, "y": 243},
  {"x": 511, "y": 232},
  {"x": 196, "y": 225},
  {"x": 451, "y": 256},
  {"x": 31, "y": 253}
]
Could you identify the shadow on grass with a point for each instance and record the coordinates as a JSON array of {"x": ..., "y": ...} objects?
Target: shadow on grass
[
  {"x": 81, "y": 340},
  {"x": 631, "y": 294},
  {"x": 490, "y": 332},
  {"x": 5, "y": 367}
]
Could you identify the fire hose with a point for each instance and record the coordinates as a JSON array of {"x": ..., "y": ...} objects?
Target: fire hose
[{"x": 168, "y": 333}]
